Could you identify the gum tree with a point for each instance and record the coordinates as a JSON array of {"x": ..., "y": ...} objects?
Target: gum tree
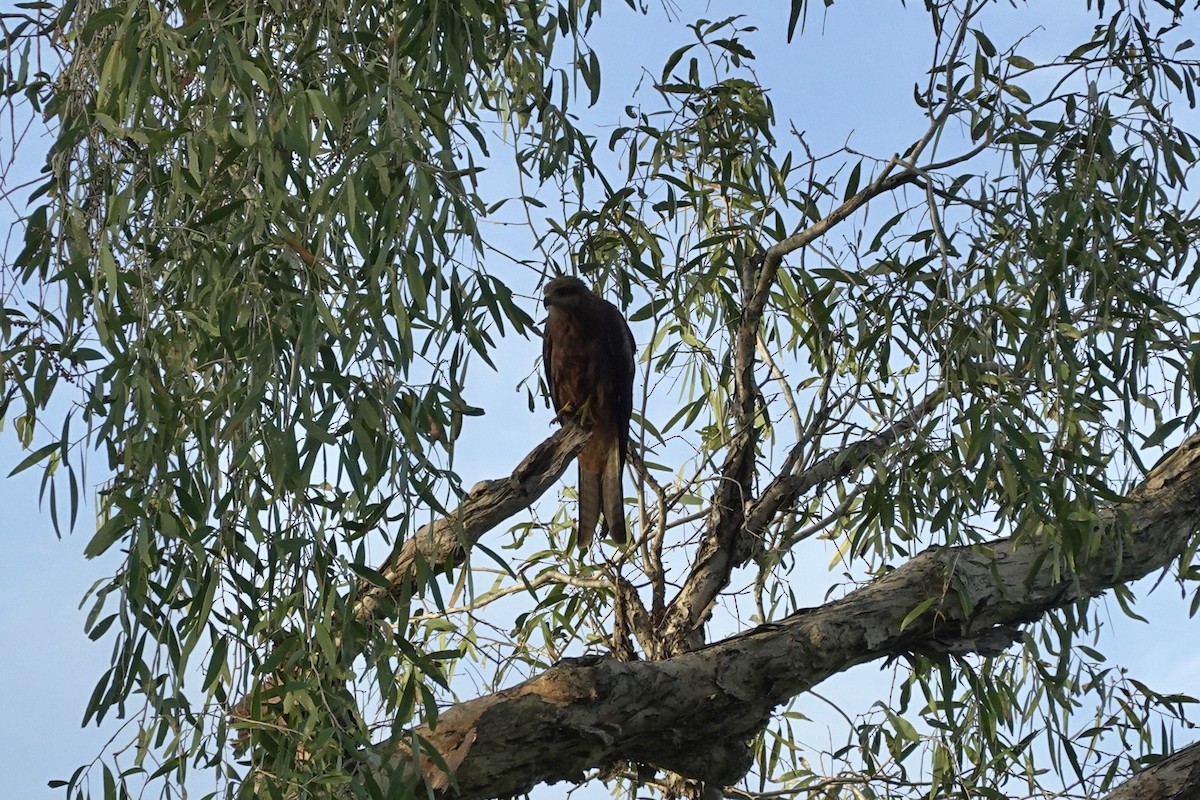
[{"x": 272, "y": 252}]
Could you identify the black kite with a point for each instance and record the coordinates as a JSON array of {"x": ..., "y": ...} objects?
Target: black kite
[{"x": 589, "y": 357}]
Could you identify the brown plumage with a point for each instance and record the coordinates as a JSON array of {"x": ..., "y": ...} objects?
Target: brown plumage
[{"x": 588, "y": 352}]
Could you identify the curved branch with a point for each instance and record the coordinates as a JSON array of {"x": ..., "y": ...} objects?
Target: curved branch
[
  {"x": 447, "y": 540},
  {"x": 884, "y": 183},
  {"x": 1176, "y": 777},
  {"x": 726, "y": 543},
  {"x": 707, "y": 704},
  {"x": 788, "y": 486}
]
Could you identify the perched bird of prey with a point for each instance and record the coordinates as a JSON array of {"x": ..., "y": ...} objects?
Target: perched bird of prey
[{"x": 588, "y": 352}]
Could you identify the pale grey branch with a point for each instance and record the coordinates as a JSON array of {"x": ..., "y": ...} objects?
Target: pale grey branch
[{"x": 708, "y": 703}]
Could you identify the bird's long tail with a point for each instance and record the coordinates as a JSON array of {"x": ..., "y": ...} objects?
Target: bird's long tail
[
  {"x": 590, "y": 495},
  {"x": 612, "y": 491}
]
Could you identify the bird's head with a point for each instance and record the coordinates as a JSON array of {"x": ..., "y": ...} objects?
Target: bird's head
[{"x": 565, "y": 292}]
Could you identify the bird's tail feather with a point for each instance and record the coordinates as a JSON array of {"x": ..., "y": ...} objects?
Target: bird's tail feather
[
  {"x": 612, "y": 492},
  {"x": 590, "y": 495}
]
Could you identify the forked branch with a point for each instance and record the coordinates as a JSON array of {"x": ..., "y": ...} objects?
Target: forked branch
[
  {"x": 726, "y": 543},
  {"x": 707, "y": 704}
]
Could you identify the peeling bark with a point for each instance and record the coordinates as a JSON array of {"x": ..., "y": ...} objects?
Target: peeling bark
[{"x": 693, "y": 714}]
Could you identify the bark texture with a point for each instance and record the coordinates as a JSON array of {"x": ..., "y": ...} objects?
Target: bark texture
[
  {"x": 446, "y": 541},
  {"x": 693, "y": 714},
  {"x": 1176, "y": 777}
]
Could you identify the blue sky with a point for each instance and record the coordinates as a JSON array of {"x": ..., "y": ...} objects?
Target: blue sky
[{"x": 851, "y": 73}]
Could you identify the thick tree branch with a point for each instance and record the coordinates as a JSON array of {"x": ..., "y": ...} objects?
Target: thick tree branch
[
  {"x": 590, "y": 713},
  {"x": 1176, "y": 777},
  {"x": 447, "y": 540}
]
